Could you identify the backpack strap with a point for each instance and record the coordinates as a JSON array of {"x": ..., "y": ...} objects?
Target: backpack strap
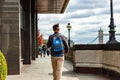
[{"x": 57, "y": 35}]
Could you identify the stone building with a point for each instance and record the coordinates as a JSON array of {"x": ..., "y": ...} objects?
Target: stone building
[{"x": 18, "y": 29}]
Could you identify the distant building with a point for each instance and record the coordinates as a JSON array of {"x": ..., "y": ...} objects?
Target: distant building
[
  {"x": 71, "y": 43},
  {"x": 100, "y": 36}
]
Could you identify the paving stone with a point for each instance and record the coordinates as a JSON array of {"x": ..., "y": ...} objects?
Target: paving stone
[{"x": 41, "y": 69}]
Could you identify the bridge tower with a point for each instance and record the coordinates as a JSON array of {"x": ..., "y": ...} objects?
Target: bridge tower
[{"x": 100, "y": 36}]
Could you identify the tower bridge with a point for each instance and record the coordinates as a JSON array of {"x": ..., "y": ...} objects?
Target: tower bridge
[{"x": 100, "y": 37}]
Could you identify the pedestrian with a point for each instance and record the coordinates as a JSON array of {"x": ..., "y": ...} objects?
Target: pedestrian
[
  {"x": 59, "y": 48},
  {"x": 48, "y": 52},
  {"x": 40, "y": 51},
  {"x": 44, "y": 48}
]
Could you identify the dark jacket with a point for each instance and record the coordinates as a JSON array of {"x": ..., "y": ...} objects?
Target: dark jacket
[{"x": 64, "y": 40}]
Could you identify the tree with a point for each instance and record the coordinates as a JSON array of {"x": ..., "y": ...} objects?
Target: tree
[
  {"x": 3, "y": 67},
  {"x": 40, "y": 39}
]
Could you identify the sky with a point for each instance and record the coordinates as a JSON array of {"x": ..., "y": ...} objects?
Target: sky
[{"x": 86, "y": 17}]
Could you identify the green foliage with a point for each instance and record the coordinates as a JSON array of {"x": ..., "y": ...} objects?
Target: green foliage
[{"x": 3, "y": 67}]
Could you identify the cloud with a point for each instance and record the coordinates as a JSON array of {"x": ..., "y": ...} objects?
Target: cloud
[
  {"x": 86, "y": 4},
  {"x": 86, "y": 18}
]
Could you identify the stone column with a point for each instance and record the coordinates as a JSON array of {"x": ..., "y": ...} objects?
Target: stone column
[
  {"x": 27, "y": 34},
  {"x": 36, "y": 29},
  {"x": 33, "y": 29}
]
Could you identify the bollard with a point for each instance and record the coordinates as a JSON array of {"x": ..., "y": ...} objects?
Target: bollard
[{"x": 3, "y": 67}]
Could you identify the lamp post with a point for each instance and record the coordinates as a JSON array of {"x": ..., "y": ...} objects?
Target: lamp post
[
  {"x": 68, "y": 27},
  {"x": 111, "y": 26}
]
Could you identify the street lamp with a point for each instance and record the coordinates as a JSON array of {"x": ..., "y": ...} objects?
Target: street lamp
[
  {"x": 68, "y": 27},
  {"x": 111, "y": 26}
]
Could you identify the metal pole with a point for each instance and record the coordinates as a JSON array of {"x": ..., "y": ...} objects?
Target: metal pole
[
  {"x": 111, "y": 26},
  {"x": 69, "y": 37},
  {"x": 111, "y": 8}
]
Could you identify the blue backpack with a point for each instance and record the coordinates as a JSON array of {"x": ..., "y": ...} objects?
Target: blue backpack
[{"x": 57, "y": 43}]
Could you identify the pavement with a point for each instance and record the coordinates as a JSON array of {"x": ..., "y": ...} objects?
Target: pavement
[{"x": 41, "y": 69}]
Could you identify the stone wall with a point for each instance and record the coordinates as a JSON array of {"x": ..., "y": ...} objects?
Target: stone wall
[
  {"x": 88, "y": 58},
  {"x": 97, "y": 58},
  {"x": 111, "y": 60},
  {"x": 102, "y": 57},
  {"x": 9, "y": 34}
]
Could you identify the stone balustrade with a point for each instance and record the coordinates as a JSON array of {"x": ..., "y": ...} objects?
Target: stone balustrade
[{"x": 97, "y": 58}]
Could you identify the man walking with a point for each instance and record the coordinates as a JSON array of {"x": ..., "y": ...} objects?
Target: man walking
[{"x": 59, "y": 48}]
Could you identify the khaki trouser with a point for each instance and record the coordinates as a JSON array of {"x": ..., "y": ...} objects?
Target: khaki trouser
[{"x": 57, "y": 64}]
